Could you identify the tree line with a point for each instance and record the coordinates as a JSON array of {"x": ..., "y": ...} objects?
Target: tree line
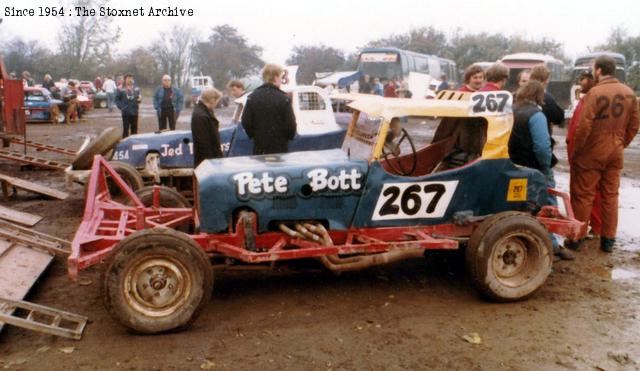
[{"x": 85, "y": 48}]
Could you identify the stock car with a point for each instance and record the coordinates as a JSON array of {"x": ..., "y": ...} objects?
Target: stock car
[
  {"x": 40, "y": 106},
  {"x": 378, "y": 199},
  {"x": 98, "y": 98},
  {"x": 170, "y": 153}
]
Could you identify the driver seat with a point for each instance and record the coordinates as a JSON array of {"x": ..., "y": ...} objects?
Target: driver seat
[{"x": 469, "y": 137}]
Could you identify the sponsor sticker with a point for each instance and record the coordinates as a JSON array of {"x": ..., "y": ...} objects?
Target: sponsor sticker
[
  {"x": 140, "y": 147},
  {"x": 517, "y": 190}
]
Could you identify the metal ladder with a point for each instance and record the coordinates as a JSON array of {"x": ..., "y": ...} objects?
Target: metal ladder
[
  {"x": 43, "y": 147},
  {"x": 43, "y": 319},
  {"x": 15, "y": 233},
  {"x": 35, "y": 161}
]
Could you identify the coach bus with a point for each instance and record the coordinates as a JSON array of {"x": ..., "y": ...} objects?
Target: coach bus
[
  {"x": 526, "y": 61},
  {"x": 585, "y": 62},
  {"x": 559, "y": 84},
  {"x": 385, "y": 63}
]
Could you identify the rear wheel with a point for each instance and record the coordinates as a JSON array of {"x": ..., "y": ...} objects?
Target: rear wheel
[
  {"x": 509, "y": 256},
  {"x": 102, "y": 104},
  {"x": 169, "y": 197},
  {"x": 128, "y": 173},
  {"x": 157, "y": 280}
]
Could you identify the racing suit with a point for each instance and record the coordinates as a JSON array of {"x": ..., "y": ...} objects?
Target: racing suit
[
  {"x": 608, "y": 123},
  {"x": 595, "y": 217}
]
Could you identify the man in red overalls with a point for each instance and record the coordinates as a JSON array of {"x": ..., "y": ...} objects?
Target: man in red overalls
[{"x": 608, "y": 123}]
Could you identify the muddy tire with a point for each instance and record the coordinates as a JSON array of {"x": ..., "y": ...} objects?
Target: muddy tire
[
  {"x": 169, "y": 197},
  {"x": 157, "y": 280},
  {"x": 509, "y": 256},
  {"x": 99, "y": 146},
  {"x": 129, "y": 174}
]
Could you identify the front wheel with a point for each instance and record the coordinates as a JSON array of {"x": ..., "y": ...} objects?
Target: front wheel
[
  {"x": 157, "y": 280},
  {"x": 509, "y": 256}
]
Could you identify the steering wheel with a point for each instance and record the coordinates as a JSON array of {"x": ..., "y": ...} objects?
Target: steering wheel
[{"x": 397, "y": 166}]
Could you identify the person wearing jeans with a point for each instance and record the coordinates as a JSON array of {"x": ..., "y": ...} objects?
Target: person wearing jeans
[
  {"x": 128, "y": 101},
  {"x": 167, "y": 101},
  {"x": 110, "y": 89},
  {"x": 530, "y": 143}
]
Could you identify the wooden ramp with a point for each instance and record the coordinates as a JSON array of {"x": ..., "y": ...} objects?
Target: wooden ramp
[
  {"x": 21, "y": 217},
  {"x": 7, "y": 181},
  {"x": 34, "y": 161},
  {"x": 24, "y": 255}
]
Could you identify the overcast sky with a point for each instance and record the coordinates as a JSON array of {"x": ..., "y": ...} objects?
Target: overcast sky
[{"x": 345, "y": 24}]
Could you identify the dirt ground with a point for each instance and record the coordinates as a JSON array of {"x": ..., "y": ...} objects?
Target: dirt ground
[{"x": 412, "y": 315}]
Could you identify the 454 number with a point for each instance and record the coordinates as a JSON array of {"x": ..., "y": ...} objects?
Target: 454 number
[{"x": 414, "y": 200}]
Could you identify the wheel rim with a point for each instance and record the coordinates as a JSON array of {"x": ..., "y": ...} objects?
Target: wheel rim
[
  {"x": 516, "y": 258},
  {"x": 157, "y": 286}
]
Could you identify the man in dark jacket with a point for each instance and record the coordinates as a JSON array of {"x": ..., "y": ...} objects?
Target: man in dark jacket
[
  {"x": 128, "y": 100},
  {"x": 204, "y": 128},
  {"x": 268, "y": 116},
  {"x": 167, "y": 101},
  {"x": 552, "y": 111}
]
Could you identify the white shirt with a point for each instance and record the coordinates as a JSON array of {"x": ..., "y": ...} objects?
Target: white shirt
[{"x": 109, "y": 86}]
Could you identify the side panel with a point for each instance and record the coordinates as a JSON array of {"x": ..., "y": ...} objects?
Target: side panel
[
  {"x": 175, "y": 148},
  {"x": 482, "y": 187},
  {"x": 318, "y": 142},
  {"x": 37, "y": 111},
  {"x": 242, "y": 145},
  {"x": 280, "y": 190}
]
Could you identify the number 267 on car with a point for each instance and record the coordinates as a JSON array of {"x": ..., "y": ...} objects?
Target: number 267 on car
[{"x": 414, "y": 200}]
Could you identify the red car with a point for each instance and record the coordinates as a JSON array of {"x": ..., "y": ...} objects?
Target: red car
[{"x": 85, "y": 96}]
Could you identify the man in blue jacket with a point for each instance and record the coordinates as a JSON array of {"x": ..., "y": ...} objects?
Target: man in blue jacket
[
  {"x": 128, "y": 101},
  {"x": 167, "y": 101}
]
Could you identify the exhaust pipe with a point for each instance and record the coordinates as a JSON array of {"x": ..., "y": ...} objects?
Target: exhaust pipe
[{"x": 334, "y": 263}]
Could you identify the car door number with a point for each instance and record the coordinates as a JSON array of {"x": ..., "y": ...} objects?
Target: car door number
[
  {"x": 121, "y": 155},
  {"x": 414, "y": 200}
]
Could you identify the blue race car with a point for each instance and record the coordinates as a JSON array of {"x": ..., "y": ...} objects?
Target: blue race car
[
  {"x": 40, "y": 106},
  {"x": 377, "y": 200},
  {"x": 170, "y": 154}
]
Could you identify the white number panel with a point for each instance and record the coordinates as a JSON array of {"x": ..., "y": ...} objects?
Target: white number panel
[
  {"x": 490, "y": 103},
  {"x": 414, "y": 200}
]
